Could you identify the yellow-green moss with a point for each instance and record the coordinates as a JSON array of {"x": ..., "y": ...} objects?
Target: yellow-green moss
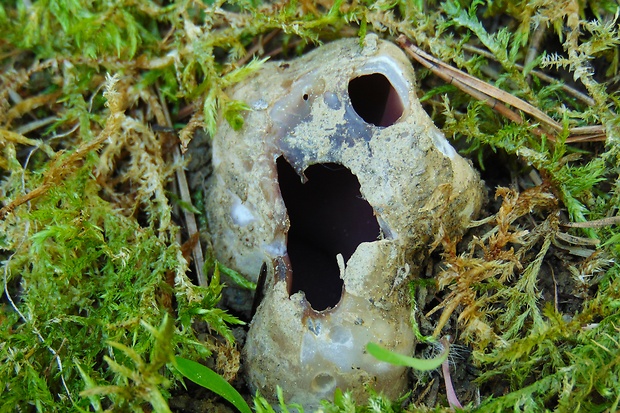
[{"x": 88, "y": 241}]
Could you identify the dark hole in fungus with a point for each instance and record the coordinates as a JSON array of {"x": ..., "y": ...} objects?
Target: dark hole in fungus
[
  {"x": 327, "y": 216},
  {"x": 375, "y": 100}
]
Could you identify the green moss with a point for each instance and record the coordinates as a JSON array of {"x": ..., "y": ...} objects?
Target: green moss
[
  {"x": 89, "y": 247},
  {"x": 83, "y": 275}
]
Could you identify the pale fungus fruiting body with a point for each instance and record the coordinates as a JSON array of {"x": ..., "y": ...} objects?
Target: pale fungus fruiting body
[{"x": 338, "y": 182}]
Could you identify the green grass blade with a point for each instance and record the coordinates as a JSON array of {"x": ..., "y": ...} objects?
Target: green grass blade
[
  {"x": 237, "y": 278},
  {"x": 209, "y": 379},
  {"x": 383, "y": 354}
]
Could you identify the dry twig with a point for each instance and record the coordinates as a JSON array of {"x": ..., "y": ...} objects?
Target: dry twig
[{"x": 497, "y": 98}]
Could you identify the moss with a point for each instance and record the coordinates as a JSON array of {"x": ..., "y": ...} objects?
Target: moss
[{"x": 92, "y": 244}]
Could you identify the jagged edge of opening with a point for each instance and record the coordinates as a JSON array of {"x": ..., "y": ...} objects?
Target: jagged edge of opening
[{"x": 327, "y": 216}]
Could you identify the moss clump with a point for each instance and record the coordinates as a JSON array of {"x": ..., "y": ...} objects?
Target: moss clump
[
  {"x": 94, "y": 252},
  {"x": 81, "y": 280}
]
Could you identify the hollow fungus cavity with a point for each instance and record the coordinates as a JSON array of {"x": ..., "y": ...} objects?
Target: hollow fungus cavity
[{"x": 327, "y": 216}]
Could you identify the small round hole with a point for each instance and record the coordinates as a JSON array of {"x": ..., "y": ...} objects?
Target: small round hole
[
  {"x": 323, "y": 383},
  {"x": 375, "y": 100},
  {"x": 305, "y": 96}
]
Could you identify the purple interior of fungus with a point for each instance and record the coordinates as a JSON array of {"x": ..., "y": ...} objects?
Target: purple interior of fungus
[{"x": 327, "y": 216}]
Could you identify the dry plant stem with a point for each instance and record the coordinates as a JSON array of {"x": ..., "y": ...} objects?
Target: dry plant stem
[
  {"x": 542, "y": 76},
  {"x": 493, "y": 96},
  {"x": 458, "y": 78},
  {"x": 425, "y": 392},
  {"x": 10, "y": 54},
  {"x": 67, "y": 133},
  {"x": 258, "y": 47},
  {"x": 280, "y": 49},
  {"x": 18, "y": 80},
  {"x": 555, "y": 288},
  {"x": 591, "y": 138},
  {"x": 598, "y": 223},
  {"x": 532, "y": 50},
  {"x": 190, "y": 218},
  {"x": 575, "y": 240},
  {"x": 62, "y": 167},
  {"x": 188, "y": 110},
  {"x": 36, "y": 124},
  {"x": 29, "y": 104},
  {"x": 9, "y": 136}
]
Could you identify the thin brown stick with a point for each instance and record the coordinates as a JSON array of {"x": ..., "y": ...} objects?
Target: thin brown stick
[
  {"x": 458, "y": 76},
  {"x": 14, "y": 137},
  {"x": 60, "y": 168},
  {"x": 280, "y": 49},
  {"x": 36, "y": 124},
  {"x": 495, "y": 97},
  {"x": 587, "y": 138},
  {"x": 542, "y": 76},
  {"x": 575, "y": 240},
  {"x": 260, "y": 44},
  {"x": 535, "y": 40},
  {"x": 28, "y": 105},
  {"x": 190, "y": 218},
  {"x": 555, "y": 288},
  {"x": 598, "y": 223}
]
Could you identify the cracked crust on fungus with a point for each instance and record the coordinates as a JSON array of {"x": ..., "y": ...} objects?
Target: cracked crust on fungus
[{"x": 337, "y": 183}]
